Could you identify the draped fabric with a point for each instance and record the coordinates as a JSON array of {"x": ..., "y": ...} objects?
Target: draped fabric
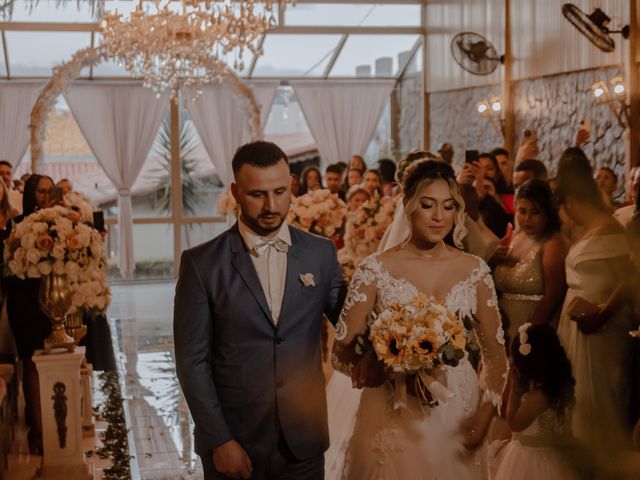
[
  {"x": 16, "y": 102},
  {"x": 342, "y": 115},
  {"x": 220, "y": 115},
  {"x": 265, "y": 92},
  {"x": 120, "y": 123}
]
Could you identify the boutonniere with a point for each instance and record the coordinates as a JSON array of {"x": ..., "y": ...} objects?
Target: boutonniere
[{"x": 307, "y": 279}]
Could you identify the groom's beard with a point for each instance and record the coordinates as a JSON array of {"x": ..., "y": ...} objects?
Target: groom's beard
[{"x": 267, "y": 225}]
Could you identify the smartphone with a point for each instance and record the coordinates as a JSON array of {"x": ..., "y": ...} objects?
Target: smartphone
[
  {"x": 471, "y": 156},
  {"x": 55, "y": 194},
  {"x": 527, "y": 133},
  {"x": 506, "y": 241},
  {"x": 98, "y": 220}
]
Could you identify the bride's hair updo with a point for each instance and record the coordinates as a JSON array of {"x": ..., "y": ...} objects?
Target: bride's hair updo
[
  {"x": 409, "y": 160},
  {"x": 424, "y": 172}
]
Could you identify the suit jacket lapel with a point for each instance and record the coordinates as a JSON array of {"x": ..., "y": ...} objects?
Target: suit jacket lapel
[
  {"x": 243, "y": 264},
  {"x": 293, "y": 271}
]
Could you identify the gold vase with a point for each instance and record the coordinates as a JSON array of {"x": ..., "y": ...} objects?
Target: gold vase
[
  {"x": 74, "y": 325},
  {"x": 55, "y": 301}
]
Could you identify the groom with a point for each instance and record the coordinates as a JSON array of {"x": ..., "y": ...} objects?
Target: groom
[{"x": 247, "y": 321}]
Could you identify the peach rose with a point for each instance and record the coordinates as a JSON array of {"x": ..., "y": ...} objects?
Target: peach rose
[
  {"x": 44, "y": 242},
  {"x": 73, "y": 242}
]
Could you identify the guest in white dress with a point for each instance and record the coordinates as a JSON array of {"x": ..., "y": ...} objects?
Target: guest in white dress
[
  {"x": 596, "y": 319},
  {"x": 541, "y": 394},
  {"x": 529, "y": 272}
]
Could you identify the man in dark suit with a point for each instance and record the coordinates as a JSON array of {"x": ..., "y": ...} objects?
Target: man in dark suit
[{"x": 247, "y": 319}]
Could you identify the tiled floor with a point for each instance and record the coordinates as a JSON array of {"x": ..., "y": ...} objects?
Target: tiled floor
[{"x": 141, "y": 316}]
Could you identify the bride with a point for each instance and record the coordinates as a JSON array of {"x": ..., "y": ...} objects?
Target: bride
[{"x": 396, "y": 436}]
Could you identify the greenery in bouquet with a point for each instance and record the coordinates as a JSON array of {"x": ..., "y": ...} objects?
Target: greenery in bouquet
[
  {"x": 57, "y": 240},
  {"x": 364, "y": 230},
  {"x": 320, "y": 212},
  {"x": 420, "y": 335}
]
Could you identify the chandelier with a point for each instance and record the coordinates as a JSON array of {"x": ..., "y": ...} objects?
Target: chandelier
[{"x": 168, "y": 43}]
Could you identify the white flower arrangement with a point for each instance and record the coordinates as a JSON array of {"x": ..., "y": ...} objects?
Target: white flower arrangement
[
  {"x": 227, "y": 204},
  {"x": 364, "y": 231},
  {"x": 56, "y": 240},
  {"x": 320, "y": 212},
  {"x": 80, "y": 203}
]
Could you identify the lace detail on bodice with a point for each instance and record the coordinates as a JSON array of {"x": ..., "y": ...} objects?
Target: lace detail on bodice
[
  {"x": 373, "y": 289},
  {"x": 523, "y": 278},
  {"x": 461, "y": 299}
]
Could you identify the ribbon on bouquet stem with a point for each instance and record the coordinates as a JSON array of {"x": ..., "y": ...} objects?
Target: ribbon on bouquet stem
[{"x": 425, "y": 382}]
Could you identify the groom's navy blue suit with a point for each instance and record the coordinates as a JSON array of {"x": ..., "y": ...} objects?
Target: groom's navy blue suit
[{"x": 243, "y": 377}]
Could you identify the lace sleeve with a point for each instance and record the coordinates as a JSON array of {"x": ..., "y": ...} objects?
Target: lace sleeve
[
  {"x": 488, "y": 330},
  {"x": 355, "y": 313}
]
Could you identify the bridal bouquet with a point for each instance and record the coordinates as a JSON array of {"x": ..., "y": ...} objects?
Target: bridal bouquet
[
  {"x": 57, "y": 240},
  {"x": 320, "y": 212},
  {"x": 422, "y": 334},
  {"x": 365, "y": 228},
  {"x": 416, "y": 338}
]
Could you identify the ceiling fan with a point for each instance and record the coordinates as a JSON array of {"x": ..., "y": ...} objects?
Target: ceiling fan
[{"x": 594, "y": 26}]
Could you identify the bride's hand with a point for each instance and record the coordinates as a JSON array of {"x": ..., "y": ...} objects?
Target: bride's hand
[
  {"x": 368, "y": 372},
  {"x": 475, "y": 427}
]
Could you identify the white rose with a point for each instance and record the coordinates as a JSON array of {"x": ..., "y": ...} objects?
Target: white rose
[
  {"x": 33, "y": 272},
  {"x": 85, "y": 289},
  {"x": 78, "y": 300},
  {"x": 20, "y": 254},
  {"x": 58, "y": 251},
  {"x": 64, "y": 226},
  {"x": 45, "y": 268},
  {"x": 28, "y": 240},
  {"x": 58, "y": 267},
  {"x": 40, "y": 228},
  {"x": 16, "y": 268},
  {"x": 33, "y": 255},
  {"x": 72, "y": 269}
]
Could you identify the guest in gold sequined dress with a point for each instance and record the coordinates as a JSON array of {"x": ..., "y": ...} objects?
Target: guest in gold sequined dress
[{"x": 529, "y": 272}]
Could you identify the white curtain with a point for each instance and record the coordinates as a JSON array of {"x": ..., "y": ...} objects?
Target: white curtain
[
  {"x": 265, "y": 92},
  {"x": 342, "y": 115},
  {"x": 16, "y": 102},
  {"x": 120, "y": 123},
  {"x": 222, "y": 121}
]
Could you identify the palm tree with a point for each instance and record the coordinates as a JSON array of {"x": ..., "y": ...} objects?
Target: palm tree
[{"x": 191, "y": 185}]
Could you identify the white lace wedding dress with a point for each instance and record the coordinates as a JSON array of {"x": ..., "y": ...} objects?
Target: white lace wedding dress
[{"x": 419, "y": 442}]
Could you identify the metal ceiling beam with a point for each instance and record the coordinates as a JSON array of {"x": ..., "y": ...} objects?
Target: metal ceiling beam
[
  {"x": 282, "y": 30},
  {"x": 414, "y": 50},
  {"x": 255, "y": 58},
  {"x": 48, "y": 27},
  {"x": 336, "y": 52},
  {"x": 6, "y": 54}
]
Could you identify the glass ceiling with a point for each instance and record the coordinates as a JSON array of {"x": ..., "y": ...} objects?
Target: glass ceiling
[{"x": 313, "y": 40}]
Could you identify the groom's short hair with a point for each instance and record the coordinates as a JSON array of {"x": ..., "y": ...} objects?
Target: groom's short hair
[{"x": 259, "y": 154}]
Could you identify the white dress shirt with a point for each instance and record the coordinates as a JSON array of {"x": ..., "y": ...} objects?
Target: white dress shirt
[{"x": 270, "y": 262}]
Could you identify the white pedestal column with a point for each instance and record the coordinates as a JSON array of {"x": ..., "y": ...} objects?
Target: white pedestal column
[
  {"x": 60, "y": 393},
  {"x": 88, "y": 424}
]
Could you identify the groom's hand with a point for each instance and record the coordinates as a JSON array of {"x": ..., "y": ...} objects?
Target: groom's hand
[
  {"x": 368, "y": 372},
  {"x": 232, "y": 461}
]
